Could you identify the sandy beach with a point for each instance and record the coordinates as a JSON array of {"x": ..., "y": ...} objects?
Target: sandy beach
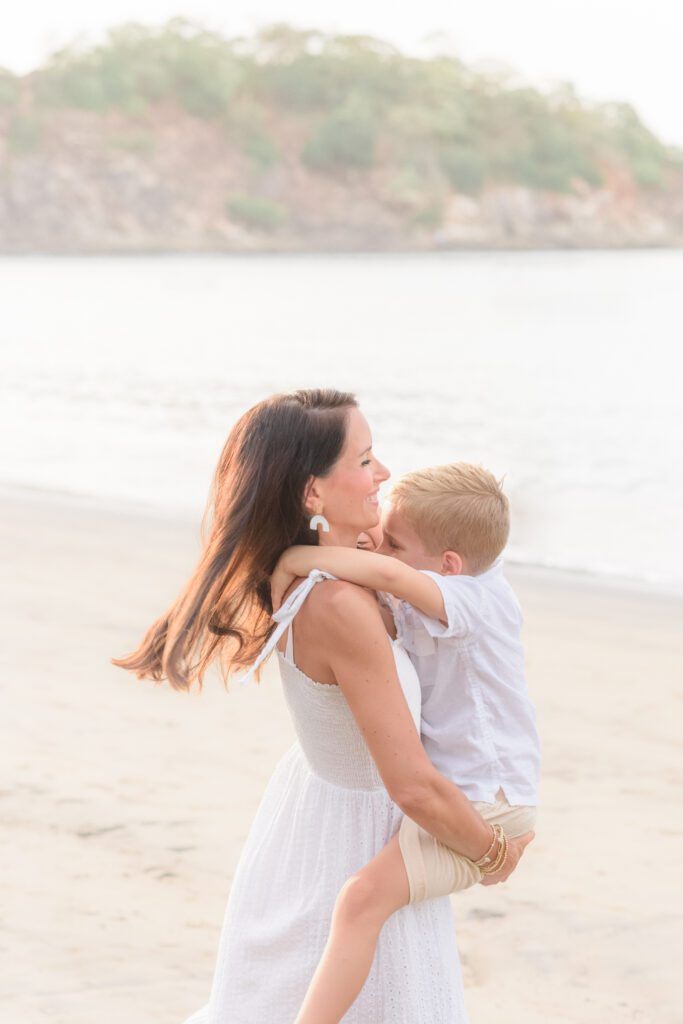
[{"x": 125, "y": 804}]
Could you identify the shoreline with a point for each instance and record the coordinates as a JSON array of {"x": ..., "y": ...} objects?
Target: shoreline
[{"x": 533, "y": 571}]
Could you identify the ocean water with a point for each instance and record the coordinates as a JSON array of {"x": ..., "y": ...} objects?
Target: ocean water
[{"x": 121, "y": 377}]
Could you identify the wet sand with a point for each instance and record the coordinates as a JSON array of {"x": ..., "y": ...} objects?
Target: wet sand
[{"x": 125, "y": 805}]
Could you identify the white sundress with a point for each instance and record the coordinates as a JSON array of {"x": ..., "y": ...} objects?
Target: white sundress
[{"x": 325, "y": 813}]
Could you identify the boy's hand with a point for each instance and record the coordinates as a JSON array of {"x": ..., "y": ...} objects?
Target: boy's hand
[
  {"x": 280, "y": 582},
  {"x": 516, "y": 848}
]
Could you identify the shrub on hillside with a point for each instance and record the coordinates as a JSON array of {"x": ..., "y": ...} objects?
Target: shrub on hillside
[
  {"x": 138, "y": 66},
  {"x": 345, "y": 138},
  {"x": 257, "y": 212},
  {"x": 9, "y": 88},
  {"x": 24, "y": 133}
]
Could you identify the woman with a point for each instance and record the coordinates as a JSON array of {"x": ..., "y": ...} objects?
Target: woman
[{"x": 337, "y": 796}]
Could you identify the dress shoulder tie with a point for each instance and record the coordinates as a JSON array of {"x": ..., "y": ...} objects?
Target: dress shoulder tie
[{"x": 284, "y": 616}]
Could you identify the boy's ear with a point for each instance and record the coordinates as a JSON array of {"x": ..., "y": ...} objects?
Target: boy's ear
[{"x": 451, "y": 563}]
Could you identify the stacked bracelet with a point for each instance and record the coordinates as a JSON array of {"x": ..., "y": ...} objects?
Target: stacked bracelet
[
  {"x": 499, "y": 862},
  {"x": 489, "y": 865},
  {"x": 496, "y": 832},
  {"x": 486, "y": 859}
]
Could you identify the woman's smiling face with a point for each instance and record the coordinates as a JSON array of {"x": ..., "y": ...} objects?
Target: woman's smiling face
[{"x": 348, "y": 494}]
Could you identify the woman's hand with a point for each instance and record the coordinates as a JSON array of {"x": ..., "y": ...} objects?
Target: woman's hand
[
  {"x": 516, "y": 848},
  {"x": 280, "y": 582}
]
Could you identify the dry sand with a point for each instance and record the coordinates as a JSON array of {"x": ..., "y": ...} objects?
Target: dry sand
[{"x": 124, "y": 805}]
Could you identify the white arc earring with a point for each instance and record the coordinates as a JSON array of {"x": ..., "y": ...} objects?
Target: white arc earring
[{"x": 319, "y": 520}]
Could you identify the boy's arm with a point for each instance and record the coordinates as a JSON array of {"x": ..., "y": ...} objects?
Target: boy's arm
[{"x": 365, "y": 568}]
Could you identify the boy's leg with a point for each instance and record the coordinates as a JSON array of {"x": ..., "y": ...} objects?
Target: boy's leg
[
  {"x": 365, "y": 902},
  {"x": 435, "y": 870}
]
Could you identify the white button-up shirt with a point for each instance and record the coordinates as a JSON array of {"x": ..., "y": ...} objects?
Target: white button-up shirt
[{"x": 478, "y": 722}]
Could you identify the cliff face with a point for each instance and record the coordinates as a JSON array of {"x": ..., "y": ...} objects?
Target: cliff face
[{"x": 79, "y": 181}]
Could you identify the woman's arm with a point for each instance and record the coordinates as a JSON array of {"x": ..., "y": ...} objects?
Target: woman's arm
[
  {"x": 366, "y": 569},
  {"x": 361, "y": 661}
]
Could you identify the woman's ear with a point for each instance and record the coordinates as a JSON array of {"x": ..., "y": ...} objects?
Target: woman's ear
[
  {"x": 312, "y": 497},
  {"x": 451, "y": 564}
]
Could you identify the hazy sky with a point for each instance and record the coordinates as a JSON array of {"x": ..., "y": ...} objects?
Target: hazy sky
[{"x": 611, "y": 49}]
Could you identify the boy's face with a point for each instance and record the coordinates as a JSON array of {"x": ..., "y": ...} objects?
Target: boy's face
[
  {"x": 400, "y": 541},
  {"x": 371, "y": 539}
]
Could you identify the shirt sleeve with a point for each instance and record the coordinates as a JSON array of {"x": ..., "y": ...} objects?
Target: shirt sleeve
[{"x": 462, "y": 600}]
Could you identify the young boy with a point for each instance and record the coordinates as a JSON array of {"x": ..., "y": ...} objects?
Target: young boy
[{"x": 459, "y": 620}]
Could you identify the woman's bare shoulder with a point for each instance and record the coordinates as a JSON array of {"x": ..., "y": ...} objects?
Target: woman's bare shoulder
[
  {"x": 337, "y": 604},
  {"x": 336, "y": 618}
]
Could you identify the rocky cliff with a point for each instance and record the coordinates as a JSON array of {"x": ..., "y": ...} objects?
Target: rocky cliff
[{"x": 257, "y": 170}]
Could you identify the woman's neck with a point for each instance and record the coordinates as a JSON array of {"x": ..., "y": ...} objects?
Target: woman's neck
[{"x": 339, "y": 536}]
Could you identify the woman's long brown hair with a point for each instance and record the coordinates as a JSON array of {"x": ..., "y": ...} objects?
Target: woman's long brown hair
[{"x": 255, "y": 511}]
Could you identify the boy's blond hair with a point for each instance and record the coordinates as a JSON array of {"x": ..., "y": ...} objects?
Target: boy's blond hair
[{"x": 459, "y": 507}]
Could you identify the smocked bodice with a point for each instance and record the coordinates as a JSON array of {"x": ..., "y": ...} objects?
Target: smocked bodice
[
  {"x": 326, "y": 729},
  {"x": 327, "y": 732}
]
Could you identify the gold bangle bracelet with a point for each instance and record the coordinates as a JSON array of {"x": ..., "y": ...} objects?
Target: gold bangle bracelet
[
  {"x": 486, "y": 859},
  {"x": 501, "y": 857},
  {"x": 492, "y": 869},
  {"x": 492, "y": 865}
]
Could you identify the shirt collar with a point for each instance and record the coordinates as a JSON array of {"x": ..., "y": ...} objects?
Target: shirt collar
[{"x": 494, "y": 570}]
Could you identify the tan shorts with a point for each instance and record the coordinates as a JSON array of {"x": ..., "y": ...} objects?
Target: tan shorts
[{"x": 435, "y": 870}]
